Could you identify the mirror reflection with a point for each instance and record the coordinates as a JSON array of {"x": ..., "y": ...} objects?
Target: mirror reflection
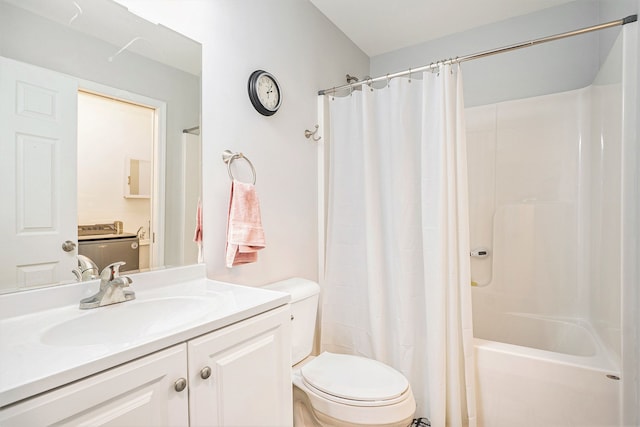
[
  {"x": 138, "y": 177},
  {"x": 94, "y": 103}
]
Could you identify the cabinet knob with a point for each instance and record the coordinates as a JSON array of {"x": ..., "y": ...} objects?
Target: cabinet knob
[
  {"x": 205, "y": 372},
  {"x": 180, "y": 384}
]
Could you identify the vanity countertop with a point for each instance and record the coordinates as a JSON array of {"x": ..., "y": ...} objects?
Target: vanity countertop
[{"x": 46, "y": 342}]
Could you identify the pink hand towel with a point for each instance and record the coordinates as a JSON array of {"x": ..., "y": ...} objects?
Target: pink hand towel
[{"x": 245, "y": 235}]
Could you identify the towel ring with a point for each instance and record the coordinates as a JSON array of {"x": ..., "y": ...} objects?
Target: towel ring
[{"x": 228, "y": 157}]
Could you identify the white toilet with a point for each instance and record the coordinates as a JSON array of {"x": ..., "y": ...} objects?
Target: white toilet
[{"x": 339, "y": 389}]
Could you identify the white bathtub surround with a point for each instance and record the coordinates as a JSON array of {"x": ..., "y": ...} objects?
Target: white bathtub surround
[
  {"x": 567, "y": 336},
  {"x": 546, "y": 191},
  {"x": 397, "y": 276}
]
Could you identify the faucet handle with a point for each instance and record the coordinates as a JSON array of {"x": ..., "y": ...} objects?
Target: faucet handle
[{"x": 111, "y": 271}]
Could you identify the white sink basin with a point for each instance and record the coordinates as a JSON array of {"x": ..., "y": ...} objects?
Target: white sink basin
[{"x": 128, "y": 321}]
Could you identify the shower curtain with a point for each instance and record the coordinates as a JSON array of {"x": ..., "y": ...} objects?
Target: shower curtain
[{"x": 397, "y": 281}]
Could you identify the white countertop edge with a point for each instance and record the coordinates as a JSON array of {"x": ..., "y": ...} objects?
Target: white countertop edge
[
  {"x": 13, "y": 393},
  {"x": 27, "y": 390}
]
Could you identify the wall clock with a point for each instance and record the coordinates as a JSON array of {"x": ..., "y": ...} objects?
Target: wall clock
[{"x": 264, "y": 92}]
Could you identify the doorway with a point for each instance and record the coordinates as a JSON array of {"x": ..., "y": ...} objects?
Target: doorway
[{"x": 117, "y": 162}]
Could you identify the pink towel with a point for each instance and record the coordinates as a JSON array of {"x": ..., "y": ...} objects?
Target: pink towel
[
  {"x": 245, "y": 235},
  {"x": 198, "y": 233}
]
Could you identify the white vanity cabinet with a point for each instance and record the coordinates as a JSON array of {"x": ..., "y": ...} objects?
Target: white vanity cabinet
[
  {"x": 138, "y": 393},
  {"x": 239, "y": 375}
]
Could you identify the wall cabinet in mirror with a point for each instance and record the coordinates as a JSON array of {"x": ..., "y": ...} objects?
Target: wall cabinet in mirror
[{"x": 137, "y": 179}]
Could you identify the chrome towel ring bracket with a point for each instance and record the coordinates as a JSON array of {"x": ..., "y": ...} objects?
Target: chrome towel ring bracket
[{"x": 229, "y": 156}]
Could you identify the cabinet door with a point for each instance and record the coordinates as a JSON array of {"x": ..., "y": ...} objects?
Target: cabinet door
[
  {"x": 250, "y": 381},
  {"x": 138, "y": 393}
]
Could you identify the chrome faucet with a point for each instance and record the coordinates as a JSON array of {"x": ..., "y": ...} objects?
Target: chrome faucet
[
  {"x": 111, "y": 288},
  {"x": 87, "y": 269}
]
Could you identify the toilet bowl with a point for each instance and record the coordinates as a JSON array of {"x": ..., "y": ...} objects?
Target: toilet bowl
[{"x": 339, "y": 389}]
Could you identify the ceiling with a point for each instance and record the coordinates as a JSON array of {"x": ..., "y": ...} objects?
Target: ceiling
[{"x": 380, "y": 26}]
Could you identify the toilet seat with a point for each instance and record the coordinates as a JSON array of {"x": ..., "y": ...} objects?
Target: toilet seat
[
  {"x": 391, "y": 410},
  {"x": 354, "y": 380}
]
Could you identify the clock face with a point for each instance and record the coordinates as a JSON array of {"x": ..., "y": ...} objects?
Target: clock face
[
  {"x": 264, "y": 92},
  {"x": 268, "y": 92}
]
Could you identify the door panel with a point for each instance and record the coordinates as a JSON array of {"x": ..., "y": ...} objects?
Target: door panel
[
  {"x": 38, "y": 112},
  {"x": 250, "y": 374}
]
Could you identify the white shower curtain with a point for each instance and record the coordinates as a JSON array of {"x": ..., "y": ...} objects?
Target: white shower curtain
[{"x": 397, "y": 282}]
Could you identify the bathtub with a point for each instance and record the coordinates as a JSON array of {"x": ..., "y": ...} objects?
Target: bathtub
[{"x": 533, "y": 370}]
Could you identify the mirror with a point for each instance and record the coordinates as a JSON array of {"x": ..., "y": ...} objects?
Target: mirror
[{"x": 97, "y": 47}]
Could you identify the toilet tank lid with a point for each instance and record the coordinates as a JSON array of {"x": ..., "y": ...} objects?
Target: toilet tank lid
[{"x": 297, "y": 287}]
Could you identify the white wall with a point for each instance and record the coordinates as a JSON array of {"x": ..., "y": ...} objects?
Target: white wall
[{"x": 295, "y": 42}]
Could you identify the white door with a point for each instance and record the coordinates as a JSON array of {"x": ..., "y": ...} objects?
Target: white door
[
  {"x": 38, "y": 115},
  {"x": 240, "y": 376},
  {"x": 142, "y": 393}
]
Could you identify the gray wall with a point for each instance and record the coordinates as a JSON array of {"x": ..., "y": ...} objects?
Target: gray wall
[
  {"x": 548, "y": 68},
  {"x": 294, "y": 41},
  {"x": 32, "y": 39}
]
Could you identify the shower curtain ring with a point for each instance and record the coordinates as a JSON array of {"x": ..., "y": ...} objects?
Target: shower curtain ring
[
  {"x": 409, "y": 74},
  {"x": 388, "y": 81}
]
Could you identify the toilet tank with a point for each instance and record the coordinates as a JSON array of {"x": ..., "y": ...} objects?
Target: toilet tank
[{"x": 304, "y": 307}]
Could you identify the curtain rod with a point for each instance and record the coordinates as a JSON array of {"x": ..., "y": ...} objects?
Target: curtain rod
[{"x": 623, "y": 21}]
